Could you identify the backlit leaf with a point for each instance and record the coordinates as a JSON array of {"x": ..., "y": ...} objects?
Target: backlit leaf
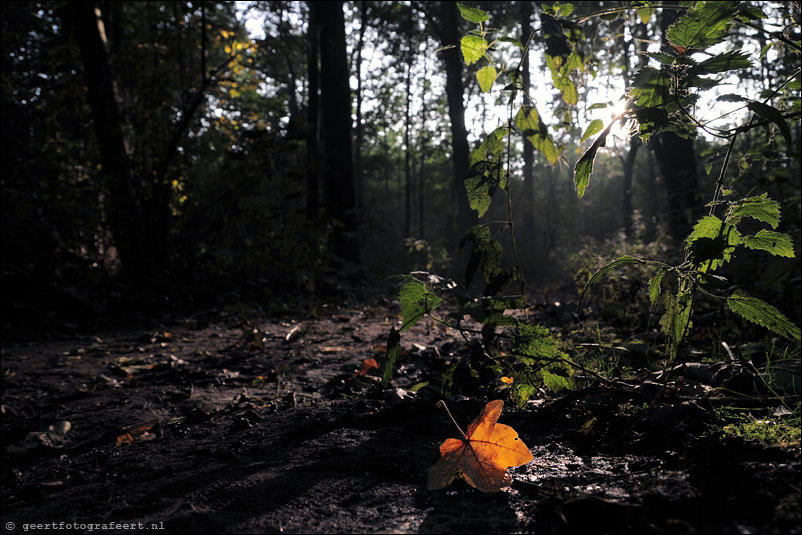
[
  {"x": 618, "y": 262},
  {"x": 584, "y": 166},
  {"x": 594, "y": 127},
  {"x": 473, "y": 48},
  {"x": 712, "y": 242},
  {"x": 704, "y": 26},
  {"x": 529, "y": 123},
  {"x": 773, "y": 242},
  {"x": 650, "y": 87},
  {"x": 472, "y": 14},
  {"x": 486, "y": 76},
  {"x": 762, "y": 313},
  {"x": 759, "y": 207},
  {"x": 482, "y": 457},
  {"x": 393, "y": 352},
  {"x": 727, "y": 61},
  {"x": 416, "y": 301}
]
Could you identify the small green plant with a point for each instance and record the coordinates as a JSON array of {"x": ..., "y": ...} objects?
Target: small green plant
[
  {"x": 659, "y": 100},
  {"x": 510, "y": 351}
]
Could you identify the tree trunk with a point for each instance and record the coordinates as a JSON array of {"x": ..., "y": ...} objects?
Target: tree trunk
[
  {"x": 529, "y": 157},
  {"x": 423, "y": 142},
  {"x": 124, "y": 211},
  {"x": 677, "y": 160},
  {"x": 335, "y": 125},
  {"x": 456, "y": 113},
  {"x": 407, "y": 150},
  {"x": 358, "y": 128},
  {"x": 312, "y": 122}
]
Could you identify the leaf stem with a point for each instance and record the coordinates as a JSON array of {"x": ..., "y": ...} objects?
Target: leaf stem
[{"x": 442, "y": 403}]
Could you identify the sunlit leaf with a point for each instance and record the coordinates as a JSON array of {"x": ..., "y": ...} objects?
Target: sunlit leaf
[
  {"x": 676, "y": 319},
  {"x": 712, "y": 243},
  {"x": 529, "y": 123},
  {"x": 472, "y": 14},
  {"x": 727, "y": 61},
  {"x": 473, "y": 48},
  {"x": 762, "y": 313},
  {"x": 595, "y": 126},
  {"x": 759, "y": 207},
  {"x": 775, "y": 243},
  {"x": 584, "y": 166},
  {"x": 655, "y": 282},
  {"x": 704, "y": 26},
  {"x": 645, "y": 14},
  {"x": 416, "y": 300},
  {"x": 482, "y": 457},
  {"x": 486, "y": 76},
  {"x": 650, "y": 87}
]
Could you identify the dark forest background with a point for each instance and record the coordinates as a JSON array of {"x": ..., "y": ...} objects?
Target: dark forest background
[{"x": 159, "y": 156}]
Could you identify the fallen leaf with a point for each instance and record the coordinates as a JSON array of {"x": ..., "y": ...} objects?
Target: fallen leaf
[
  {"x": 482, "y": 456},
  {"x": 367, "y": 365},
  {"x": 138, "y": 433}
]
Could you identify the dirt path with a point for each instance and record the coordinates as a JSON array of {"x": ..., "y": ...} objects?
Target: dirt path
[{"x": 217, "y": 424}]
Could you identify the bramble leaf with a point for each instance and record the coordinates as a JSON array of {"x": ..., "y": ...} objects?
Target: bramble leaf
[
  {"x": 775, "y": 243},
  {"x": 704, "y": 26},
  {"x": 760, "y": 207},
  {"x": 758, "y": 311}
]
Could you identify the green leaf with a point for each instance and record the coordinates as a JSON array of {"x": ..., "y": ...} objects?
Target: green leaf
[
  {"x": 485, "y": 162},
  {"x": 712, "y": 243},
  {"x": 758, "y": 311},
  {"x": 486, "y": 254},
  {"x": 529, "y": 123},
  {"x": 775, "y": 243},
  {"x": 472, "y": 14},
  {"x": 704, "y": 26},
  {"x": 727, "y": 61},
  {"x": 584, "y": 166},
  {"x": 416, "y": 300},
  {"x": 473, "y": 48},
  {"x": 393, "y": 352},
  {"x": 556, "y": 382},
  {"x": 598, "y": 105},
  {"x": 655, "y": 285},
  {"x": 486, "y": 76},
  {"x": 770, "y": 113},
  {"x": 650, "y": 87},
  {"x": 595, "y": 126},
  {"x": 760, "y": 207},
  {"x": 515, "y": 42},
  {"x": 618, "y": 262},
  {"x": 645, "y": 14},
  {"x": 676, "y": 319}
]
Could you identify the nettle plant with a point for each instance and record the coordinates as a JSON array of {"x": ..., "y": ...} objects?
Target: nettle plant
[
  {"x": 507, "y": 352},
  {"x": 661, "y": 99}
]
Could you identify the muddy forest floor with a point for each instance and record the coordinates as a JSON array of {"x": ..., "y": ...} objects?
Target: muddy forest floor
[{"x": 246, "y": 423}]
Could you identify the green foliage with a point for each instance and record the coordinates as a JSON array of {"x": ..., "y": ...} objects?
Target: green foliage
[
  {"x": 486, "y": 76},
  {"x": 762, "y": 313},
  {"x": 485, "y": 174},
  {"x": 416, "y": 301},
  {"x": 704, "y": 26},
  {"x": 393, "y": 352},
  {"x": 472, "y": 14},
  {"x": 584, "y": 166},
  {"x": 529, "y": 123},
  {"x": 473, "y": 48}
]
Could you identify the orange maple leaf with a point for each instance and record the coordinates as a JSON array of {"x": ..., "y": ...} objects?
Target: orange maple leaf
[{"x": 482, "y": 456}]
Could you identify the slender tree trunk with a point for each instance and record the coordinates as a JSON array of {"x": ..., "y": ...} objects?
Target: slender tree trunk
[
  {"x": 407, "y": 150},
  {"x": 423, "y": 144},
  {"x": 335, "y": 121},
  {"x": 456, "y": 113},
  {"x": 124, "y": 212},
  {"x": 358, "y": 127},
  {"x": 312, "y": 120},
  {"x": 677, "y": 160},
  {"x": 529, "y": 157},
  {"x": 629, "y": 167}
]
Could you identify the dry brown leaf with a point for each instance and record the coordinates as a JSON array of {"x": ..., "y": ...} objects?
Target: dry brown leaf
[
  {"x": 482, "y": 456},
  {"x": 367, "y": 365}
]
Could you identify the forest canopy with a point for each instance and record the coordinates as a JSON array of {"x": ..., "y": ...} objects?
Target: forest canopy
[{"x": 210, "y": 151}]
